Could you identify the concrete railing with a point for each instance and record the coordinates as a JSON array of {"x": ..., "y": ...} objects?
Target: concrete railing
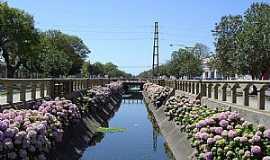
[
  {"x": 220, "y": 90},
  {"x": 32, "y": 89},
  {"x": 22, "y": 90}
]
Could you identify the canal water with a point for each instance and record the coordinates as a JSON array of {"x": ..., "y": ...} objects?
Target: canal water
[{"x": 141, "y": 140}]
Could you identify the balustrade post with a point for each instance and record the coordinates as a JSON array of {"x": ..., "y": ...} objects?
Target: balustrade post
[
  {"x": 51, "y": 88},
  {"x": 189, "y": 87},
  {"x": 181, "y": 85},
  {"x": 234, "y": 93},
  {"x": 33, "y": 90},
  {"x": 245, "y": 88},
  {"x": 197, "y": 87},
  {"x": 9, "y": 89},
  {"x": 261, "y": 96},
  {"x": 193, "y": 87},
  {"x": 185, "y": 86},
  {"x": 216, "y": 91},
  {"x": 41, "y": 86},
  {"x": 224, "y": 92},
  {"x": 209, "y": 90},
  {"x": 22, "y": 91},
  {"x": 203, "y": 89},
  {"x": 81, "y": 81}
]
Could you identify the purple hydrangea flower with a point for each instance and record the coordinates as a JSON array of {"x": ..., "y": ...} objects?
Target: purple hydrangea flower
[
  {"x": 266, "y": 133},
  {"x": 232, "y": 133},
  {"x": 223, "y": 123},
  {"x": 204, "y": 136},
  {"x": 243, "y": 139},
  {"x": 208, "y": 156},
  {"x": 256, "y": 139},
  {"x": 218, "y": 130},
  {"x": 266, "y": 158},
  {"x": 201, "y": 124},
  {"x": 233, "y": 116},
  {"x": 222, "y": 116},
  {"x": 3, "y": 125},
  {"x": 256, "y": 150},
  {"x": 211, "y": 141}
]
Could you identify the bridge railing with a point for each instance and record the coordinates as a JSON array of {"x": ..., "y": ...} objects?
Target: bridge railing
[{"x": 233, "y": 91}]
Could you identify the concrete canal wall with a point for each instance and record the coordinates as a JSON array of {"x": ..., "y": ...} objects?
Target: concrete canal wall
[
  {"x": 177, "y": 141},
  {"x": 82, "y": 135}
]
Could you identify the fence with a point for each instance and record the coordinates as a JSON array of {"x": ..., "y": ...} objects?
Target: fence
[{"x": 220, "y": 90}]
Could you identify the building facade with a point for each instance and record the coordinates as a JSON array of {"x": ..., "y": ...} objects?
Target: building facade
[{"x": 208, "y": 72}]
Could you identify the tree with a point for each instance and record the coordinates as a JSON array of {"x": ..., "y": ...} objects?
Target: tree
[
  {"x": 71, "y": 46},
  {"x": 18, "y": 37},
  {"x": 243, "y": 43},
  {"x": 254, "y": 41},
  {"x": 86, "y": 69},
  {"x": 226, "y": 44},
  {"x": 186, "y": 63},
  {"x": 110, "y": 69},
  {"x": 201, "y": 50},
  {"x": 60, "y": 54},
  {"x": 97, "y": 69}
]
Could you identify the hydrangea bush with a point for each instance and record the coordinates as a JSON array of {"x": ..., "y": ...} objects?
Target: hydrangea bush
[
  {"x": 218, "y": 134},
  {"x": 98, "y": 96},
  {"x": 28, "y": 134},
  {"x": 64, "y": 110},
  {"x": 156, "y": 93}
]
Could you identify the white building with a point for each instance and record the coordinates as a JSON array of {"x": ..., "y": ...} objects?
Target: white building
[{"x": 208, "y": 72}]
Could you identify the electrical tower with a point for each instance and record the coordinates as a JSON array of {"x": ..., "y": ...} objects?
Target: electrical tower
[{"x": 155, "y": 65}]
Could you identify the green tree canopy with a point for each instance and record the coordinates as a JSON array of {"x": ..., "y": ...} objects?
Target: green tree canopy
[
  {"x": 226, "y": 44},
  {"x": 61, "y": 54},
  {"x": 18, "y": 37},
  {"x": 184, "y": 62},
  {"x": 243, "y": 42},
  {"x": 109, "y": 69}
]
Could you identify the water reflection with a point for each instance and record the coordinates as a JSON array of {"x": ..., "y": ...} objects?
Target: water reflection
[{"x": 141, "y": 141}]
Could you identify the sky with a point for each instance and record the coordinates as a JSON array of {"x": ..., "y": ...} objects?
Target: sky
[{"x": 121, "y": 31}]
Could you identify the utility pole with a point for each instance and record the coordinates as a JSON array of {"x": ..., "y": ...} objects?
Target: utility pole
[{"x": 155, "y": 65}]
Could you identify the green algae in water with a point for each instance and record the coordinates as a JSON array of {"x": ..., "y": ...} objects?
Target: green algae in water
[{"x": 110, "y": 130}]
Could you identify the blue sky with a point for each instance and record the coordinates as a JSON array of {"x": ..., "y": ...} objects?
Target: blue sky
[{"x": 121, "y": 31}]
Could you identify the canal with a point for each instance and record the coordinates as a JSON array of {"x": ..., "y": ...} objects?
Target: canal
[{"x": 140, "y": 141}]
